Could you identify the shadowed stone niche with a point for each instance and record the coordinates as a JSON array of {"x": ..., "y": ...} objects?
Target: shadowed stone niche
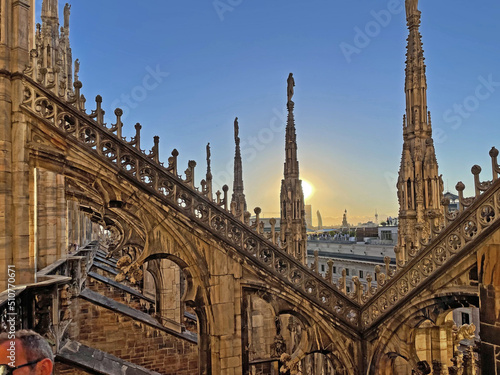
[{"x": 488, "y": 258}]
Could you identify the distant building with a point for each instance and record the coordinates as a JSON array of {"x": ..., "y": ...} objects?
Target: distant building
[
  {"x": 454, "y": 202},
  {"x": 320, "y": 221},
  {"x": 345, "y": 224},
  {"x": 309, "y": 219},
  {"x": 388, "y": 234},
  {"x": 357, "y": 259}
]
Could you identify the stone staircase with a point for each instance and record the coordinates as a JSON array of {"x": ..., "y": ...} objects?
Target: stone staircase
[{"x": 101, "y": 326}]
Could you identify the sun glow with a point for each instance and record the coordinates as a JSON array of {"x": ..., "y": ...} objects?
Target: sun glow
[{"x": 307, "y": 189}]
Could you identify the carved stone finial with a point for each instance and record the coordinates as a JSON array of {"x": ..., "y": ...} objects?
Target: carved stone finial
[{"x": 475, "y": 170}]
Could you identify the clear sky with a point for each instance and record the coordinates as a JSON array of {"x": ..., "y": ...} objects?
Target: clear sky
[{"x": 185, "y": 69}]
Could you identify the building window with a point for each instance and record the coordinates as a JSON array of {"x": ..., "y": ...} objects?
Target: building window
[
  {"x": 361, "y": 274},
  {"x": 348, "y": 289},
  {"x": 465, "y": 318},
  {"x": 386, "y": 235},
  {"x": 347, "y": 271},
  {"x": 334, "y": 269},
  {"x": 322, "y": 268}
]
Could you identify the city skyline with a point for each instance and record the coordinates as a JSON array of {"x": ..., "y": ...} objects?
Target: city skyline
[{"x": 185, "y": 71}]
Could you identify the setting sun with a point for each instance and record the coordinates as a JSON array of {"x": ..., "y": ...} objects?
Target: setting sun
[{"x": 307, "y": 189}]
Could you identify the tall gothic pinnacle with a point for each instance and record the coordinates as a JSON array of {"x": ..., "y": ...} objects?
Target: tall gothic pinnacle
[
  {"x": 293, "y": 224},
  {"x": 291, "y": 162},
  {"x": 416, "y": 118},
  {"x": 238, "y": 201},
  {"x": 50, "y": 13},
  {"x": 420, "y": 187}
]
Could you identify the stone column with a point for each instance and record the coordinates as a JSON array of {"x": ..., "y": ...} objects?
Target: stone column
[
  {"x": 47, "y": 219},
  {"x": 169, "y": 292},
  {"x": 16, "y": 29},
  {"x": 226, "y": 310}
]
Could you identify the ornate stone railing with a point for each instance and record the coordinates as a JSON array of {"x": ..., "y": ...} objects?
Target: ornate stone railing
[
  {"x": 475, "y": 219},
  {"x": 126, "y": 157}
]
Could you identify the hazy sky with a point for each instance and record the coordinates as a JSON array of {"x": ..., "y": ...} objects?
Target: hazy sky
[{"x": 185, "y": 69}]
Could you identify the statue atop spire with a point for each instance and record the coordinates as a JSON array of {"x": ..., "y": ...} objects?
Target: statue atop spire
[
  {"x": 67, "y": 11},
  {"x": 238, "y": 201},
  {"x": 411, "y": 8},
  {"x": 291, "y": 84},
  {"x": 236, "y": 131}
]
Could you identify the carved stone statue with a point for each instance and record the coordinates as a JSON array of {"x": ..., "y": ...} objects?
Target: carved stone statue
[
  {"x": 291, "y": 84},
  {"x": 67, "y": 12},
  {"x": 208, "y": 154},
  {"x": 465, "y": 332},
  {"x": 236, "y": 131},
  {"x": 77, "y": 68},
  {"x": 411, "y": 7}
]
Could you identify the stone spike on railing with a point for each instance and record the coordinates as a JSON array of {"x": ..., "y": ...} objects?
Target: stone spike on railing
[
  {"x": 272, "y": 222},
  {"x": 369, "y": 286},
  {"x": 494, "y": 164},
  {"x": 342, "y": 282},
  {"x": 118, "y": 126},
  {"x": 189, "y": 172},
  {"x": 463, "y": 202},
  {"x": 208, "y": 186},
  {"x": 476, "y": 170},
  {"x": 98, "y": 113},
  {"x": 478, "y": 185},
  {"x": 445, "y": 202},
  {"x": 358, "y": 289},
  {"x": 225, "y": 189},
  {"x": 460, "y": 188},
  {"x": 387, "y": 261},
  {"x": 172, "y": 163},
  {"x": 256, "y": 224},
  {"x": 136, "y": 140},
  {"x": 329, "y": 272},
  {"x": 218, "y": 193},
  {"x": 78, "y": 85},
  {"x": 315, "y": 267},
  {"x": 155, "y": 151}
]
